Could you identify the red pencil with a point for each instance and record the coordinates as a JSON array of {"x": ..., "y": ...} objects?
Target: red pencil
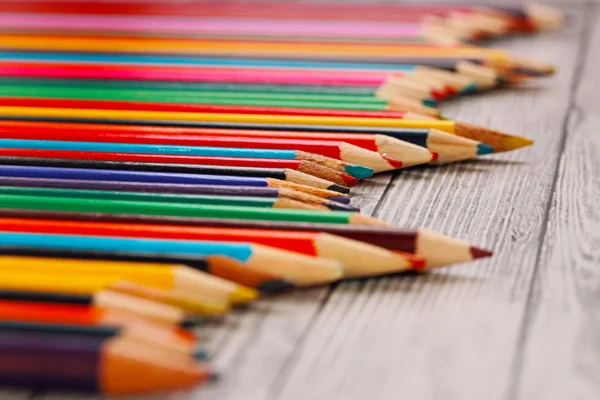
[
  {"x": 335, "y": 149},
  {"x": 306, "y": 167},
  {"x": 354, "y": 148}
]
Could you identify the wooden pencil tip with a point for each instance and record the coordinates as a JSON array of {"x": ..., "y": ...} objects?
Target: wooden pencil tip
[
  {"x": 477, "y": 252},
  {"x": 545, "y": 17},
  {"x": 349, "y": 180}
]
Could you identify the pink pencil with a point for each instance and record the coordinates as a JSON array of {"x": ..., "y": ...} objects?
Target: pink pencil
[
  {"x": 196, "y": 74},
  {"x": 209, "y": 26}
]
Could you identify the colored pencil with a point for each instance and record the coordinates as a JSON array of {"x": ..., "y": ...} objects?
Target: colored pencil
[
  {"x": 105, "y": 299},
  {"x": 359, "y": 259},
  {"x": 359, "y": 160},
  {"x": 112, "y": 366},
  {"x": 151, "y": 335},
  {"x": 290, "y": 175},
  {"x": 300, "y": 269},
  {"x": 437, "y": 249},
  {"x": 339, "y": 150},
  {"x": 139, "y": 83},
  {"x": 186, "y": 107},
  {"x": 440, "y": 57},
  {"x": 182, "y": 210},
  {"x": 143, "y": 176},
  {"x": 445, "y": 147},
  {"x": 223, "y": 267},
  {"x": 339, "y": 203},
  {"x": 203, "y": 27},
  {"x": 520, "y": 18},
  {"x": 498, "y": 140},
  {"x": 161, "y": 276},
  {"x": 167, "y": 198},
  {"x": 305, "y": 167}
]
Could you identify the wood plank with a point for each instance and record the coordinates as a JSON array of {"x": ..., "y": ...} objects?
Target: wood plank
[
  {"x": 562, "y": 354},
  {"x": 452, "y": 334}
]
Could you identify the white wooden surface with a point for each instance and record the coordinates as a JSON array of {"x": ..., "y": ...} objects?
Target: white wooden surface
[{"x": 522, "y": 325}]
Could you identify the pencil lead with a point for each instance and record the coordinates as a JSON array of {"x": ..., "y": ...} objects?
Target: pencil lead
[
  {"x": 243, "y": 295},
  {"x": 483, "y": 148},
  {"x": 200, "y": 354},
  {"x": 516, "y": 142},
  {"x": 477, "y": 252},
  {"x": 275, "y": 286}
]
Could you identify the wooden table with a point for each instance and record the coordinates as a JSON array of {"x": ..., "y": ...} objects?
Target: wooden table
[{"x": 521, "y": 325}]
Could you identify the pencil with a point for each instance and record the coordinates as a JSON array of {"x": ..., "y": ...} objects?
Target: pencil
[
  {"x": 108, "y": 301},
  {"x": 499, "y": 140},
  {"x": 438, "y": 249},
  {"x": 112, "y": 366},
  {"x": 223, "y": 267},
  {"x": 359, "y": 259},
  {"x": 440, "y": 57},
  {"x": 340, "y": 204},
  {"x": 142, "y": 333},
  {"x": 520, "y": 18},
  {"x": 300, "y": 269},
  {"x": 276, "y": 173},
  {"x": 181, "y": 210},
  {"x": 398, "y": 149},
  {"x": 144, "y": 176},
  {"x": 355, "y": 170},
  {"x": 306, "y": 167},
  {"x": 161, "y": 276},
  {"x": 361, "y": 160},
  {"x": 189, "y": 107}
]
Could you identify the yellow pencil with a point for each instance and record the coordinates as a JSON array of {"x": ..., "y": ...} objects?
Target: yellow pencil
[
  {"x": 156, "y": 275},
  {"x": 498, "y": 140}
]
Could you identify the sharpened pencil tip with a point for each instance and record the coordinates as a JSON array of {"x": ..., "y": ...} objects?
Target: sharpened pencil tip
[
  {"x": 434, "y": 156},
  {"x": 349, "y": 180},
  {"x": 339, "y": 189},
  {"x": 516, "y": 142},
  {"x": 275, "y": 286},
  {"x": 359, "y": 171},
  {"x": 477, "y": 252},
  {"x": 430, "y": 103},
  {"x": 470, "y": 88},
  {"x": 340, "y": 199},
  {"x": 201, "y": 355},
  {"x": 243, "y": 295},
  {"x": 483, "y": 148}
]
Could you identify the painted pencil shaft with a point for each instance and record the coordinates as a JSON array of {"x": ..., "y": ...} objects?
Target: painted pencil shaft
[
  {"x": 359, "y": 259},
  {"x": 438, "y": 249},
  {"x": 223, "y": 267},
  {"x": 143, "y": 176},
  {"x": 334, "y": 203},
  {"x": 106, "y": 365}
]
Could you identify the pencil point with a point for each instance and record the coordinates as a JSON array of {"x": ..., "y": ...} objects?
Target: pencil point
[
  {"x": 470, "y": 88},
  {"x": 516, "y": 142},
  {"x": 339, "y": 189},
  {"x": 434, "y": 156},
  {"x": 359, "y": 171},
  {"x": 243, "y": 295},
  {"x": 477, "y": 252},
  {"x": 349, "y": 180},
  {"x": 483, "y": 148},
  {"x": 340, "y": 199},
  {"x": 200, "y": 354},
  {"x": 275, "y": 286}
]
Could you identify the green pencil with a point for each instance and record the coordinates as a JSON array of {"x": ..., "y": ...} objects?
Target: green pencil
[
  {"x": 241, "y": 201},
  {"x": 192, "y": 86},
  {"x": 181, "y": 210},
  {"x": 293, "y": 100}
]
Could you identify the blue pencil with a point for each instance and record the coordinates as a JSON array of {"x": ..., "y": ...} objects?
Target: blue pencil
[
  {"x": 300, "y": 269},
  {"x": 18, "y": 171}
]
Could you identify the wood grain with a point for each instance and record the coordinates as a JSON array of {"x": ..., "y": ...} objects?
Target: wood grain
[
  {"x": 453, "y": 334},
  {"x": 561, "y": 350},
  {"x": 458, "y": 333}
]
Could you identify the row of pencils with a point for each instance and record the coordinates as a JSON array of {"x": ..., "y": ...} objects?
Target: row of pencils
[{"x": 161, "y": 163}]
